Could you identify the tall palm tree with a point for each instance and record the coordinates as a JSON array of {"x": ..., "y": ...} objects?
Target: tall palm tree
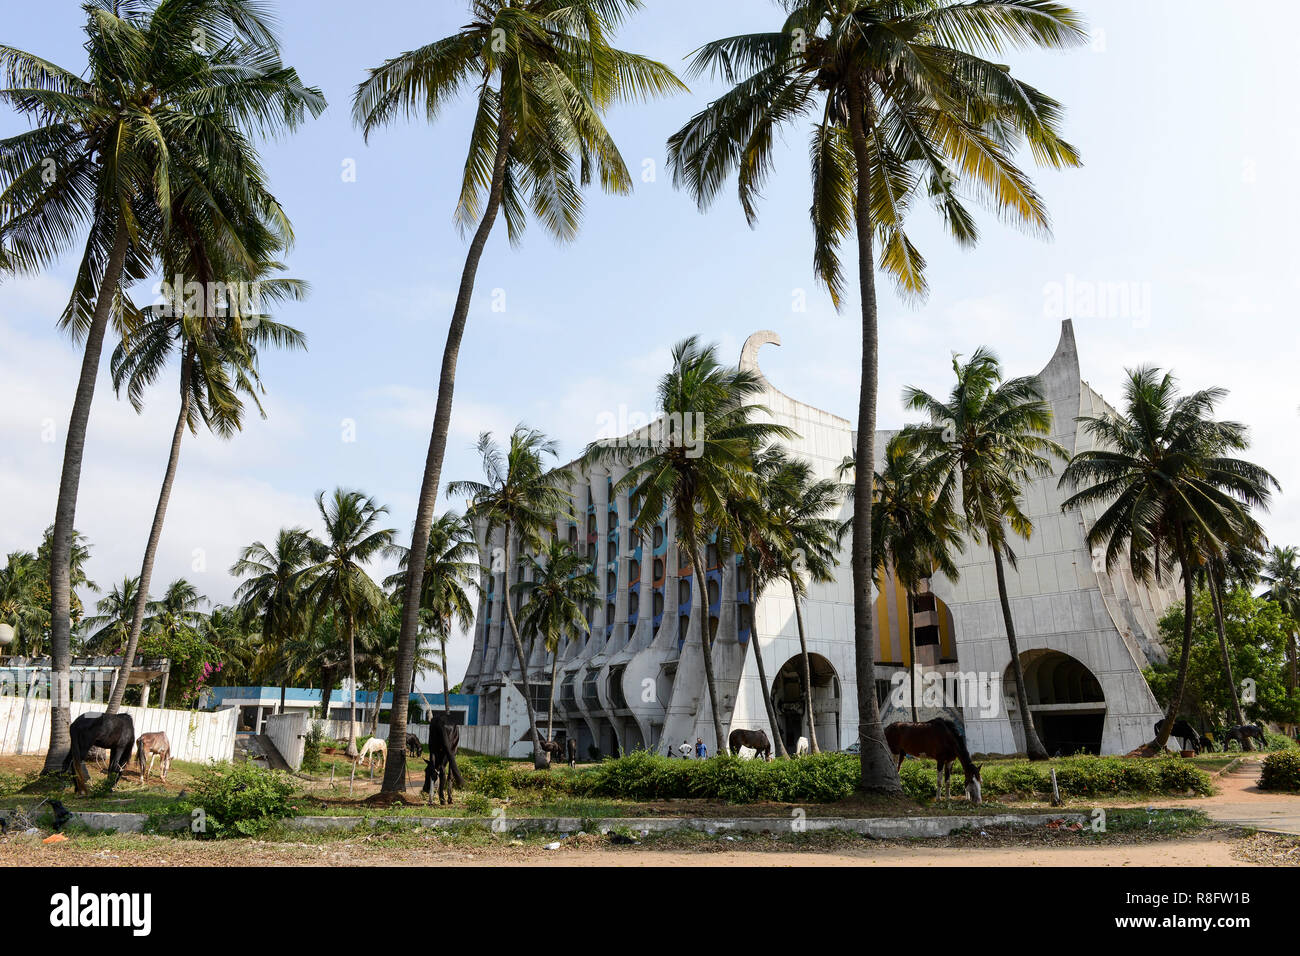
[
  {"x": 902, "y": 105},
  {"x": 522, "y": 498},
  {"x": 337, "y": 577},
  {"x": 799, "y": 505},
  {"x": 451, "y": 570},
  {"x": 543, "y": 73},
  {"x": 699, "y": 460},
  {"x": 180, "y": 607},
  {"x": 560, "y": 585},
  {"x": 1282, "y": 575},
  {"x": 912, "y": 533},
  {"x": 153, "y": 115},
  {"x": 982, "y": 445},
  {"x": 1161, "y": 472},
  {"x": 272, "y": 591},
  {"x": 218, "y": 346},
  {"x": 21, "y": 606},
  {"x": 112, "y": 624}
]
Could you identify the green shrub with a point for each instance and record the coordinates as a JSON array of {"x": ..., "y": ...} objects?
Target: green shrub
[
  {"x": 492, "y": 782},
  {"x": 311, "y": 747},
  {"x": 1281, "y": 771},
  {"x": 477, "y": 805},
  {"x": 242, "y": 800},
  {"x": 1279, "y": 742},
  {"x": 820, "y": 778},
  {"x": 1075, "y": 777}
]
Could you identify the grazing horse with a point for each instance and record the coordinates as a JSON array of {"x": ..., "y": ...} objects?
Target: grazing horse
[
  {"x": 1186, "y": 734},
  {"x": 413, "y": 747},
  {"x": 573, "y": 751},
  {"x": 1241, "y": 733},
  {"x": 154, "y": 744},
  {"x": 371, "y": 747},
  {"x": 942, "y": 740},
  {"x": 801, "y": 747},
  {"x": 756, "y": 740},
  {"x": 554, "y": 749},
  {"x": 444, "y": 739},
  {"x": 114, "y": 732},
  {"x": 100, "y": 756}
]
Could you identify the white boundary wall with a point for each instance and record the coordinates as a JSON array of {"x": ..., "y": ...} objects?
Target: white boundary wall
[{"x": 194, "y": 735}]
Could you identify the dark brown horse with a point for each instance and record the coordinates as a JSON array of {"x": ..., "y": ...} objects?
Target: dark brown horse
[
  {"x": 1186, "y": 734},
  {"x": 941, "y": 740},
  {"x": 115, "y": 733},
  {"x": 573, "y": 752},
  {"x": 413, "y": 747},
  {"x": 1242, "y": 734},
  {"x": 444, "y": 740},
  {"x": 755, "y": 740}
]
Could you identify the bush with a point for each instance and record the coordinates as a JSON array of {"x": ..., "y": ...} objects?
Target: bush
[
  {"x": 1281, "y": 771},
  {"x": 1279, "y": 742},
  {"x": 492, "y": 781},
  {"x": 820, "y": 778},
  {"x": 243, "y": 800},
  {"x": 311, "y": 747},
  {"x": 477, "y": 805},
  {"x": 1075, "y": 777}
]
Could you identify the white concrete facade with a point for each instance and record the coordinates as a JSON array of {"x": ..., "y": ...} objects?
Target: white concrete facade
[{"x": 637, "y": 681}]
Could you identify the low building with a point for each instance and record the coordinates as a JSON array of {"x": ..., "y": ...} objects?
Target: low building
[
  {"x": 637, "y": 680},
  {"x": 257, "y": 703}
]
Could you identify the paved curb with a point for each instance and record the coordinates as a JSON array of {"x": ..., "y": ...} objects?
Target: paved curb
[{"x": 876, "y": 827}]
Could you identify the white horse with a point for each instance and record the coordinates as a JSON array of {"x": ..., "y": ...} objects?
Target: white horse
[
  {"x": 371, "y": 747},
  {"x": 801, "y": 747}
]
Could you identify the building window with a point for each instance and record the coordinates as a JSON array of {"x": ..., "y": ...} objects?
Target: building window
[
  {"x": 659, "y": 568},
  {"x": 683, "y": 592}
]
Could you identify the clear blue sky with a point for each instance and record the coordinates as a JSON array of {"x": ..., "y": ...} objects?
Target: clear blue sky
[{"x": 1184, "y": 112}]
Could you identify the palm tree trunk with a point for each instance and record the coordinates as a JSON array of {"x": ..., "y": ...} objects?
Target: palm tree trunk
[
  {"x": 541, "y": 759},
  {"x": 911, "y": 651},
  {"x": 778, "y": 740},
  {"x": 65, "y": 511},
  {"x": 155, "y": 536},
  {"x": 877, "y": 764},
  {"x": 1189, "y": 612},
  {"x": 395, "y": 767},
  {"x": 352, "y": 688},
  {"x": 1217, "y": 598},
  {"x": 1033, "y": 746},
  {"x": 807, "y": 669},
  {"x": 446, "y": 687},
  {"x": 326, "y": 691},
  {"x": 706, "y": 642},
  {"x": 550, "y": 705}
]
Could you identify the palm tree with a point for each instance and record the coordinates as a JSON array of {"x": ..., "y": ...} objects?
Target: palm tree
[
  {"x": 756, "y": 534},
  {"x": 1282, "y": 575},
  {"x": 179, "y": 608},
  {"x": 20, "y": 602},
  {"x": 560, "y": 585},
  {"x": 1161, "y": 472},
  {"x": 806, "y": 541},
  {"x": 981, "y": 446},
  {"x": 521, "y": 497},
  {"x": 544, "y": 74},
  {"x": 337, "y": 578},
  {"x": 699, "y": 460},
  {"x": 911, "y": 533},
  {"x": 218, "y": 362},
  {"x": 112, "y": 624},
  {"x": 314, "y": 653},
  {"x": 904, "y": 105},
  {"x": 272, "y": 590},
  {"x": 450, "y": 570},
  {"x": 154, "y": 115}
]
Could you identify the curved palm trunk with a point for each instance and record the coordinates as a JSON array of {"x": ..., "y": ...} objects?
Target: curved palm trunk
[
  {"x": 155, "y": 536},
  {"x": 807, "y": 669},
  {"x": 395, "y": 767},
  {"x": 911, "y": 651},
  {"x": 1033, "y": 746},
  {"x": 1176, "y": 702},
  {"x": 446, "y": 688},
  {"x": 550, "y": 704},
  {"x": 778, "y": 740},
  {"x": 379, "y": 699},
  {"x": 65, "y": 512},
  {"x": 326, "y": 691},
  {"x": 706, "y": 642},
  {"x": 352, "y": 688},
  {"x": 541, "y": 759},
  {"x": 1217, "y": 598},
  {"x": 878, "y": 772}
]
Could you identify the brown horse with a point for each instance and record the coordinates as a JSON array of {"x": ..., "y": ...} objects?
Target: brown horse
[
  {"x": 756, "y": 740},
  {"x": 941, "y": 740},
  {"x": 152, "y": 745}
]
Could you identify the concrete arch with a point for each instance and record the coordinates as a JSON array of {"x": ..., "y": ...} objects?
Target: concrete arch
[
  {"x": 1066, "y": 701},
  {"x": 787, "y": 697}
]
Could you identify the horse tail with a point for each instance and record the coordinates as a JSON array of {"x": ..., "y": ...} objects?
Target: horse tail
[{"x": 139, "y": 755}]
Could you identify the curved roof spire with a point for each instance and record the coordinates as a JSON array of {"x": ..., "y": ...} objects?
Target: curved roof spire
[{"x": 749, "y": 352}]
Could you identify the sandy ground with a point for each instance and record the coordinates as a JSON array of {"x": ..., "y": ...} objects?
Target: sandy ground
[
  {"x": 1202, "y": 850},
  {"x": 1240, "y": 802}
]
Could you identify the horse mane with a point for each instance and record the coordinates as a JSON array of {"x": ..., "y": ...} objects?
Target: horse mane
[{"x": 959, "y": 734}]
